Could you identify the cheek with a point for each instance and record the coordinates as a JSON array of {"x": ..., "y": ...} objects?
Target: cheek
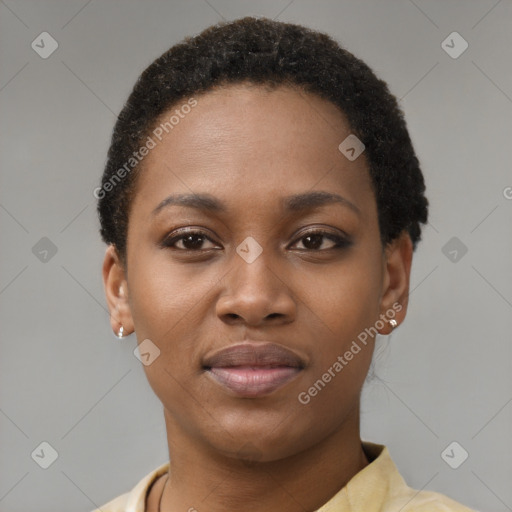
[
  {"x": 168, "y": 304},
  {"x": 163, "y": 292},
  {"x": 343, "y": 301},
  {"x": 345, "y": 297}
]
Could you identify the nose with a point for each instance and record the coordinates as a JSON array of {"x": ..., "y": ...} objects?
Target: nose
[{"x": 256, "y": 294}]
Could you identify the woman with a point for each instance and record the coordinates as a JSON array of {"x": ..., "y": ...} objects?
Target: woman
[{"x": 261, "y": 204}]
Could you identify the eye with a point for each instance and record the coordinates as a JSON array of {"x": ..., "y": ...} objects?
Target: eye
[
  {"x": 191, "y": 240},
  {"x": 315, "y": 241}
]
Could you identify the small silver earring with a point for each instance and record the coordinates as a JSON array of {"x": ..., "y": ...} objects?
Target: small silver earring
[
  {"x": 120, "y": 332},
  {"x": 393, "y": 323}
]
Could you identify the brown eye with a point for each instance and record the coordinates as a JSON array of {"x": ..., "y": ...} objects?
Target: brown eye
[
  {"x": 316, "y": 241},
  {"x": 189, "y": 240}
]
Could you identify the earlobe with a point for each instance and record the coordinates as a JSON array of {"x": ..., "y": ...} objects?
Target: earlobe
[
  {"x": 397, "y": 269},
  {"x": 116, "y": 292}
]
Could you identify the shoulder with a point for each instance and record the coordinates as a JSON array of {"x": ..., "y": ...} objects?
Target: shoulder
[
  {"x": 411, "y": 500},
  {"x": 135, "y": 500},
  {"x": 392, "y": 492}
]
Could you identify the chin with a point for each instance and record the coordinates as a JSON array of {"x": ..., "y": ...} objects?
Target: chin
[{"x": 260, "y": 437}]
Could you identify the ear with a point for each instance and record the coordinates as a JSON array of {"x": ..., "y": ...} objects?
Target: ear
[
  {"x": 397, "y": 260},
  {"x": 116, "y": 291}
]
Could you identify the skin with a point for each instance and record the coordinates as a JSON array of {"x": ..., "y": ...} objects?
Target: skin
[{"x": 250, "y": 147}]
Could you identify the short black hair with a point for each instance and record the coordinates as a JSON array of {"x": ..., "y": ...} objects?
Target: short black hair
[{"x": 270, "y": 53}]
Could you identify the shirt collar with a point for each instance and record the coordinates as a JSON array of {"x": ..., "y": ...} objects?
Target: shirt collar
[
  {"x": 371, "y": 487},
  {"x": 365, "y": 491}
]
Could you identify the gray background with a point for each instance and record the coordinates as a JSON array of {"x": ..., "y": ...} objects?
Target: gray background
[{"x": 443, "y": 376}]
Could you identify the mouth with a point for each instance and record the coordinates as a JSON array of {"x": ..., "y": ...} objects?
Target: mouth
[{"x": 252, "y": 370}]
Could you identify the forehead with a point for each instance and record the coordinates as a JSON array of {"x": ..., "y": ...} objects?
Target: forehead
[
  {"x": 247, "y": 117},
  {"x": 245, "y": 141}
]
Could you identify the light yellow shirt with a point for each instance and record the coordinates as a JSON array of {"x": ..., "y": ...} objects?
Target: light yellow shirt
[{"x": 378, "y": 487}]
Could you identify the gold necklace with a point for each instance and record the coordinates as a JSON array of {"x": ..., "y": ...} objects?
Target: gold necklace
[{"x": 162, "y": 495}]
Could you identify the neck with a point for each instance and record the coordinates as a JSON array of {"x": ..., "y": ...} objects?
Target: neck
[{"x": 200, "y": 478}]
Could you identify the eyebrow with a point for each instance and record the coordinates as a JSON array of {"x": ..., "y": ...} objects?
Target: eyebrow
[
  {"x": 316, "y": 199},
  {"x": 295, "y": 203}
]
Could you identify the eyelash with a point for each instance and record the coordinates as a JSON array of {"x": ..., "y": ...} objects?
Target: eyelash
[{"x": 339, "y": 241}]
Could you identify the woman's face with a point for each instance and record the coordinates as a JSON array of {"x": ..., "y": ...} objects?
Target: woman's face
[{"x": 272, "y": 258}]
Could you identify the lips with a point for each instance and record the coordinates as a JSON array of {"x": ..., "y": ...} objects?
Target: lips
[{"x": 251, "y": 369}]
